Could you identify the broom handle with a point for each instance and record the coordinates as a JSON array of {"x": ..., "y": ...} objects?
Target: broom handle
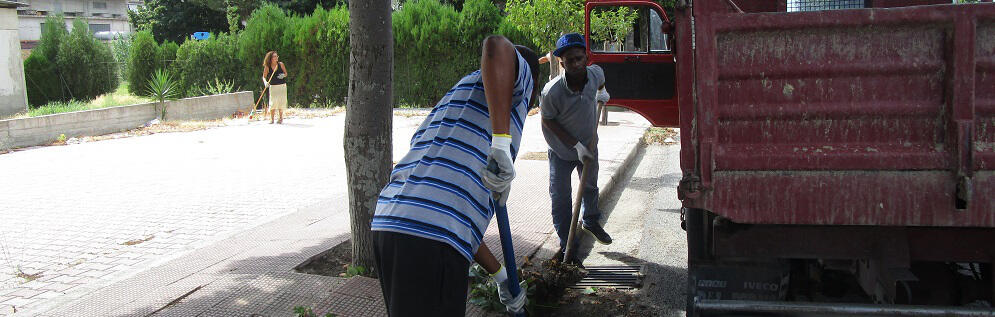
[{"x": 263, "y": 93}]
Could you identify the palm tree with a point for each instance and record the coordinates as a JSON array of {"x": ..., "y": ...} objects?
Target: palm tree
[{"x": 368, "y": 146}]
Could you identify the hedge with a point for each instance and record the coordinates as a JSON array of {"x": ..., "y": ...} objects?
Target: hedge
[
  {"x": 69, "y": 65},
  {"x": 434, "y": 46},
  {"x": 143, "y": 61}
]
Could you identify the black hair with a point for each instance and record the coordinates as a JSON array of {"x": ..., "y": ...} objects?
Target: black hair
[{"x": 530, "y": 57}]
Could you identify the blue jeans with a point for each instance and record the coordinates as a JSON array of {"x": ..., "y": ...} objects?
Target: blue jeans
[{"x": 561, "y": 193}]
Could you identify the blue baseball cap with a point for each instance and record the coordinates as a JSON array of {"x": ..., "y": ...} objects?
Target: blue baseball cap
[{"x": 567, "y": 41}]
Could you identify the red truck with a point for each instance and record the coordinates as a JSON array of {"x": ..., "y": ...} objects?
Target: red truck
[{"x": 834, "y": 161}]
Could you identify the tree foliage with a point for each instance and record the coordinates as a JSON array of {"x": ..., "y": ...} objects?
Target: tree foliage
[
  {"x": 612, "y": 24},
  {"x": 176, "y": 20},
  {"x": 542, "y": 21},
  {"x": 199, "y": 63},
  {"x": 144, "y": 60},
  {"x": 69, "y": 65},
  {"x": 429, "y": 56}
]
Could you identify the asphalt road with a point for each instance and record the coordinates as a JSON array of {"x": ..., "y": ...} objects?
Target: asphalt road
[{"x": 644, "y": 220}]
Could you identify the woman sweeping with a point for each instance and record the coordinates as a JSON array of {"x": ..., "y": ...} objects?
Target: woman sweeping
[{"x": 275, "y": 77}]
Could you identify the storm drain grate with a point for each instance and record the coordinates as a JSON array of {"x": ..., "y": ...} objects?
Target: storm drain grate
[{"x": 613, "y": 276}]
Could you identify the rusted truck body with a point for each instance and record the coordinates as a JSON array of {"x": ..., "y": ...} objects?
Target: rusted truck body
[{"x": 851, "y": 144}]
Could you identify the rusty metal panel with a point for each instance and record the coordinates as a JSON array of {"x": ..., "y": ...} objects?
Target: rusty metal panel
[
  {"x": 984, "y": 107},
  {"x": 847, "y": 117}
]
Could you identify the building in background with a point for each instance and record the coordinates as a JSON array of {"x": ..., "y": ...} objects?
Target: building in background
[
  {"x": 13, "y": 97},
  {"x": 105, "y": 16}
]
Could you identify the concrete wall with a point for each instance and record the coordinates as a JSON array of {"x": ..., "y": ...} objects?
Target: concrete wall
[
  {"x": 15, "y": 133},
  {"x": 13, "y": 97}
]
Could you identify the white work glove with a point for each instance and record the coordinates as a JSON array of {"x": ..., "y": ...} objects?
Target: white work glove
[
  {"x": 603, "y": 95},
  {"x": 514, "y": 304},
  {"x": 265, "y": 83},
  {"x": 499, "y": 181},
  {"x": 583, "y": 154}
]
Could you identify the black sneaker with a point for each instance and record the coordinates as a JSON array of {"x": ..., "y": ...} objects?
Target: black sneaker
[{"x": 599, "y": 233}]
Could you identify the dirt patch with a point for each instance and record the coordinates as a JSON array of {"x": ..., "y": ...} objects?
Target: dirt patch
[
  {"x": 138, "y": 241},
  {"x": 547, "y": 283},
  {"x": 665, "y": 136},
  {"x": 535, "y": 156},
  {"x": 158, "y": 127},
  {"x": 334, "y": 262},
  {"x": 602, "y": 302}
]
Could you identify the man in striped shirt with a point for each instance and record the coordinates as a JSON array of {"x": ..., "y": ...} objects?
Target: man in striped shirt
[{"x": 430, "y": 218}]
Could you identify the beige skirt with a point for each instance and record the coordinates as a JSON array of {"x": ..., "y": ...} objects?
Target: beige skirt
[{"x": 277, "y": 97}]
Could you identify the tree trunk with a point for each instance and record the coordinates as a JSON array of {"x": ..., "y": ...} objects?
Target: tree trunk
[{"x": 368, "y": 146}]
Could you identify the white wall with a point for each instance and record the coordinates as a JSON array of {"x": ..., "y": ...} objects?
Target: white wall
[
  {"x": 30, "y": 26},
  {"x": 13, "y": 98}
]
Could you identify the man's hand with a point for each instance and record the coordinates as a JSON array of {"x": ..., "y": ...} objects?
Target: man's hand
[
  {"x": 514, "y": 304},
  {"x": 500, "y": 169},
  {"x": 583, "y": 153},
  {"x": 603, "y": 95}
]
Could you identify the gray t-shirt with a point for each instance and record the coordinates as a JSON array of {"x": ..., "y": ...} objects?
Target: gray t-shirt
[{"x": 577, "y": 112}]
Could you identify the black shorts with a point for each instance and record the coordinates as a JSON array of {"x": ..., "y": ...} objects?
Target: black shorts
[{"x": 420, "y": 277}]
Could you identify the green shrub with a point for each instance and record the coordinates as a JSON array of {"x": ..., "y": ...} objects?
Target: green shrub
[
  {"x": 167, "y": 54},
  {"x": 121, "y": 47},
  {"x": 320, "y": 69},
  {"x": 142, "y": 62},
  {"x": 85, "y": 64},
  {"x": 201, "y": 62},
  {"x": 53, "y": 32},
  {"x": 428, "y": 57},
  {"x": 43, "y": 84}
]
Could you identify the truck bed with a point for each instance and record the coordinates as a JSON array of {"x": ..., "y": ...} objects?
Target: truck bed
[{"x": 850, "y": 117}]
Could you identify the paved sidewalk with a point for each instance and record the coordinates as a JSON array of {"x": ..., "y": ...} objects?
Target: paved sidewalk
[
  {"x": 251, "y": 272},
  {"x": 76, "y": 218}
]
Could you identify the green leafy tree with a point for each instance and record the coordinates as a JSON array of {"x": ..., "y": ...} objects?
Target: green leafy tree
[
  {"x": 320, "y": 41},
  {"x": 612, "y": 24},
  {"x": 144, "y": 60},
  {"x": 542, "y": 21},
  {"x": 176, "y": 20}
]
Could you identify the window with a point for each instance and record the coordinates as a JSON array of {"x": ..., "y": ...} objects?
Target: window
[
  {"x": 94, "y": 28},
  {"x": 627, "y": 30},
  {"x": 100, "y": 5}
]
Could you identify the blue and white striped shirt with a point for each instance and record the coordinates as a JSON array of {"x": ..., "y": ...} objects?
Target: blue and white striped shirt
[{"x": 435, "y": 191}]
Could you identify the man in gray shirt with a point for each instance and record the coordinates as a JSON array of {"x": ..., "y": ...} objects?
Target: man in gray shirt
[{"x": 569, "y": 108}]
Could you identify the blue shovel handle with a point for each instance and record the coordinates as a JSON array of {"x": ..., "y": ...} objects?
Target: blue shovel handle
[{"x": 507, "y": 247}]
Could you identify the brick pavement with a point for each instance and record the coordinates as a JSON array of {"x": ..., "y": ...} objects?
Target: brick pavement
[
  {"x": 243, "y": 268},
  {"x": 81, "y": 216}
]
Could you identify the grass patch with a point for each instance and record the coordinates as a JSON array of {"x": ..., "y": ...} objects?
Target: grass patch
[{"x": 120, "y": 97}]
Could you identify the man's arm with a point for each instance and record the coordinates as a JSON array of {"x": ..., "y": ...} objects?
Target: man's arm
[
  {"x": 498, "y": 71},
  {"x": 559, "y": 132},
  {"x": 486, "y": 259}
]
